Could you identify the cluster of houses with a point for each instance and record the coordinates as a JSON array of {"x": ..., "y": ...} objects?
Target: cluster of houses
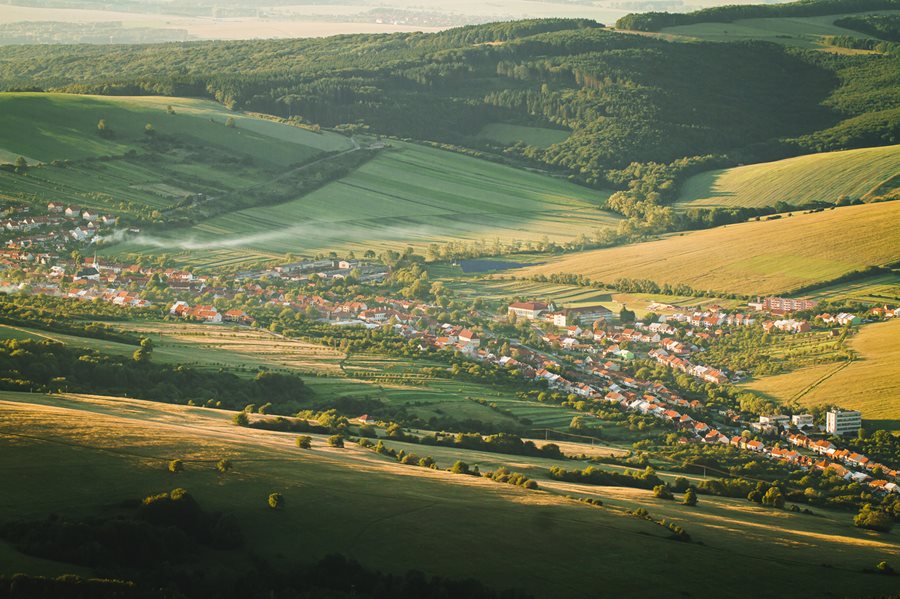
[
  {"x": 845, "y": 463},
  {"x": 63, "y": 227}
]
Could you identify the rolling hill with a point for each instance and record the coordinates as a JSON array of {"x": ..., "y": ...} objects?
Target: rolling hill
[
  {"x": 45, "y": 127},
  {"x": 796, "y": 181},
  {"x": 764, "y": 257},
  {"x": 193, "y": 147},
  {"x": 392, "y": 517},
  {"x": 407, "y": 195}
]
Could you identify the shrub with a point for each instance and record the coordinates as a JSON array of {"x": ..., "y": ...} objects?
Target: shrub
[
  {"x": 223, "y": 465},
  {"x": 240, "y": 419},
  {"x": 662, "y": 492},
  {"x": 176, "y": 466},
  {"x": 336, "y": 441},
  {"x": 276, "y": 501},
  {"x": 304, "y": 442},
  {"x": 884, "y": 568}
]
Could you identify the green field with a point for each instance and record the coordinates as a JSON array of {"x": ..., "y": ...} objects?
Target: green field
[
  {"x": 329, "y": 373},
  {"x": 393, "y": 517},
  {"x": 796, "y": 181},
  {"x": 870, "y": 383},
  {"x": 538, "y": 137},
  {"x": 407, "y": 195},
  {"x": 802, "y": 32},
  {"x": 764, "y": 257}
]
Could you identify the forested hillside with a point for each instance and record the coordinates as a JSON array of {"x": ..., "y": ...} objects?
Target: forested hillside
[{"x": 643, "y": 112}]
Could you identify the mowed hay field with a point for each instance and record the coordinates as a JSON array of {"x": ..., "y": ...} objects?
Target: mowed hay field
[
  {"x": 95, "y": 452},
  {"x": 407, "y": 195},
  {"x": 870, "y": 383},
  {"x": 45, "y": 127},
  {"x": 760, "y": 257},
  {"x": 797, "y": 181}
]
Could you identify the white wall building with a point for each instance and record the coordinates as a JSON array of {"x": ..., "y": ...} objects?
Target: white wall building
[{"x": 839, "y": 422}]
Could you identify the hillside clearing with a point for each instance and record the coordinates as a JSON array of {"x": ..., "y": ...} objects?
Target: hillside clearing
[
  {"x": 760, "y": 257},
  {"x": 802, "y": 32},
  {"x": 797, "y": 181},
  {"x": 870, "y": 383},
  {"x": 539, "y": 137}
]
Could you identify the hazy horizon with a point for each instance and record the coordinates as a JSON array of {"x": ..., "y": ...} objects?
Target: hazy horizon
[{"x": 150, "y": 21}]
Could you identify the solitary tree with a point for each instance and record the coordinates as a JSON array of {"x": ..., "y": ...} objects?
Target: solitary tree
[
  {"x": 240, "y": 419},
  {"x": 304, "y": 441},
  {"x": 336, "y": 441},
  {"x": 149, "y": 130},
  {"x": 690, "y": 497},
  {"x": 276, "y": 501},
  {"x": 176, "y": 466},
  {"x": 21, "y": 164},
  {"x": 223, "y": 465}
]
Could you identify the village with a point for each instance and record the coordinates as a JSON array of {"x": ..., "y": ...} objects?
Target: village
[{"x": 584, "y": 352}]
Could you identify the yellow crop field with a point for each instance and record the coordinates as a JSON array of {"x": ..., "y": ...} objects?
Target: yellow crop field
[{"x": 759, "y": 257}]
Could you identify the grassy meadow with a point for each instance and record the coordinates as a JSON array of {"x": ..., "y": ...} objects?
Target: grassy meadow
[
  {"x": 869, "y": 383},
  {"x": 539, "y": 137},
  {"x": 797, "y": 181},
  {"x": 392, "y": 517},
  {"x": 759, "y": 257},
  {"x": 407, "y": 195}
]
